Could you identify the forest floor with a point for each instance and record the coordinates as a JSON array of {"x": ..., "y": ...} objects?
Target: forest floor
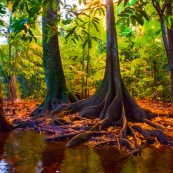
[{"x": 19, "y": 114}]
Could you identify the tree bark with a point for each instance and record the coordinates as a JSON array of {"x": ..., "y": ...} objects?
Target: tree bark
[
  {"x": 57, "y": 92},
  {"x": 167, "y": 35},
  {"x": 12, "y": 91},
  {"x": 54, "y": 75},
  {"x": 167, "y": 39},
  {"x": 4, "y": 124},
  {"x": 170, "y": 43}
]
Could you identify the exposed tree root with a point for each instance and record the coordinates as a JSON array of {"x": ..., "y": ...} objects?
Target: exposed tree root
[
  {"x": 108, "y": 142},
  {"x": 64, "y": 136},
  {"x": 152, "y": 124},
  {"x": 119, "y": 111},
  {"x": 50, "y": 105}
]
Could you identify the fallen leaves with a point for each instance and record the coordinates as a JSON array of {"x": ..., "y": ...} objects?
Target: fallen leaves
[{"x": 69, "y": 126}]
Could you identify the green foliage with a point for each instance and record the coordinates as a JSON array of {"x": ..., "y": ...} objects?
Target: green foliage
[
  {"x": 134, "y": 13},
  {"x": 2, "y": 8},
  {"x": 141, "y": 48},
  {"x": 26, "y": 63},
  {"x": 82, "y": 43}
]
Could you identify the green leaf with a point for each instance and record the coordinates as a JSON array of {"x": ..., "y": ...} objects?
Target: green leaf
[
  {"x": 21, "y": 6},
  {"x": 125, "y": 2},
  {"x": 85, "y": 32},
  {"x": 74, "y": 40},
  {"x": 128, "y": 11},
  {"x": 97, "y": 20},
  {"x": 138, "y": 19},
  {"x": 133, "y": 21},
  {"x": 89, "y": 43},
  {"x": 2, "y": 9},
  {"x": 120, "y": 20},
  {"x": 128, "y": 22},
  {"x": 101, "y": 11},
  {"x": 26, "y": 5},
  {"x": 143, "y": 13},
  {"x": 119, "y": 2},
  {"x": 2, "y": 23},
  {"x": 35, "y": 39},
  {"x": 15, "y": 5},
  {"x": 95, "y": 26},
  {"x": 80, "y": 2},
  {"x": 54, "y": 6},
  {"x": 30, "y": 32},
  {"x": 34, "y": 10},
  {"x": 70, "y": 32},
  {"x": 123, "y": 15},
  {"x": 85, "y": 42}
]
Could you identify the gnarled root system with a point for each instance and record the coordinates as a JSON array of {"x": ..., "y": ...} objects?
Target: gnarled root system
[{"x": 115, "y": 109}]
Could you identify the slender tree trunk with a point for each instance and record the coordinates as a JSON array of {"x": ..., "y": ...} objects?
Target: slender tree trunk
[
  {"x": 12, "y": 84},
  {"x": 83, "y": 81},
  {"x": 170, "y": 43},
  {"x": 4, "y": 124},
  {"x": 167, "y": 36},
  {"x": 167, "y": 39},
  {"x": 12, "y": 94},
  {"x": 155, "y": 73}
]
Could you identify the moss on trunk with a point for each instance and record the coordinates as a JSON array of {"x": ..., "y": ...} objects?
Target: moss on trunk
[{"x": 57, "y": 92}]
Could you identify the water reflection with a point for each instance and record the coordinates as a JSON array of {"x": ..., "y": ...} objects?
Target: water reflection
[
  {"x": 111, "y": 159},
  {"x": 152, "y": 160},
  {"x": 81, "y": 160},
  {"x": 3, "y": 139},
  {"x": 22, "y": 152},
  {"x": 27, "y": 152},
  {"x": 52, "y": 157}
]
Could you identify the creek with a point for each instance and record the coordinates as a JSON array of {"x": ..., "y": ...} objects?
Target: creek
[{"x": 27, "y": 152}]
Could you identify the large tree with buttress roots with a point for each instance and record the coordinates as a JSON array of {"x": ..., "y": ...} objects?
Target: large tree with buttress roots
[
  {"x": 57, "y": 91},
  {"x": 112, "y": 102}
]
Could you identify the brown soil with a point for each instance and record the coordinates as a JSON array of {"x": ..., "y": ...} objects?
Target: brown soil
[{"x": 68, "y": 126}]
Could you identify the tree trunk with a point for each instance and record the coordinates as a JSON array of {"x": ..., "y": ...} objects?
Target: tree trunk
[
  {"x": 57, "y": 91},
  {"x": 12, "y": 90},
  {"x": 170, "y": 50},
  {"x": 54, "y": 75},
  {"x": 167, "y": 36},
  {"x": 167, "y": 39},
  {"x": 4, "y": 124},
  {"x": 155, "y": 73}
]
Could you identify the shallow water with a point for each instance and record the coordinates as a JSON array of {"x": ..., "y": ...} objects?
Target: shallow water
[{"x": 27, "y": 152}]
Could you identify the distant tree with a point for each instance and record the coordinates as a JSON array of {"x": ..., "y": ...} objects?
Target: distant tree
[
  {"x": 4, "y": 124},
  {"x": 164, "y": 11}
]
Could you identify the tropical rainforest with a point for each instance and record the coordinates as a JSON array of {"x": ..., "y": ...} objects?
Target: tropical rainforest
[{"x": 98, "y": 72}]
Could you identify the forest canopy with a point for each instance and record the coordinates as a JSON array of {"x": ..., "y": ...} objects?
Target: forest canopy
[{"x": 82, "y": 34}]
